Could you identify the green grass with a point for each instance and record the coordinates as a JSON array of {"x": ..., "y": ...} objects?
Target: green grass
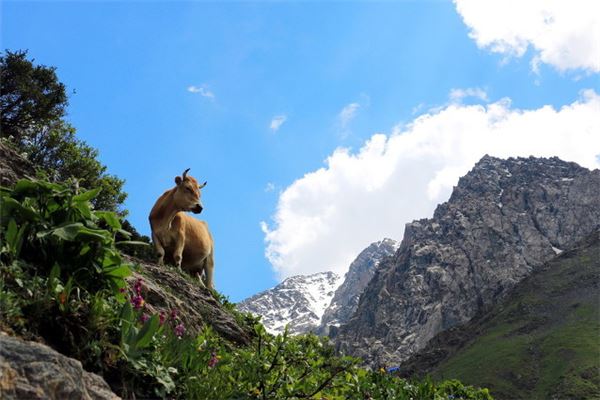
[{"x": 544, "y": 342}]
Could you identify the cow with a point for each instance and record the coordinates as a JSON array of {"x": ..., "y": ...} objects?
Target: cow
[{"x": 186, "y": 241}]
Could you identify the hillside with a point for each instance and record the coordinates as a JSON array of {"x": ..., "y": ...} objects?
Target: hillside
[{"x": 542, "y": 342}]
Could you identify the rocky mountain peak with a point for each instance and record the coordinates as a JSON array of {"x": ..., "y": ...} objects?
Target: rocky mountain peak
[
  {"x": 360, "y": 272},
  {"x": 298, "y": 302},
  {"x": 504, "y": 219}
]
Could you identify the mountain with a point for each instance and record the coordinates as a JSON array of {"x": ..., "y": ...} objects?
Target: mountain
[
  {"x": 540, "y": 343},
  {"x": 360, "y": 272},
  {"x": 298, "y": 302},
  {"x": 504, "y": 219}
]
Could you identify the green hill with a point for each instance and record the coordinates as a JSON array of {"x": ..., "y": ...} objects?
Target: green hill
[{"x": 542, "y": 342}]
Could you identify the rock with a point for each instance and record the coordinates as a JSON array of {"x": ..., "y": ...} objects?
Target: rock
[
  {"x": 504, "y": 219},
  {"x": 165, "y": 289},
  {"x": 30, "y": 370},
  {"x": 345, "y": 300},
  {"x": 13, "y": 166}
]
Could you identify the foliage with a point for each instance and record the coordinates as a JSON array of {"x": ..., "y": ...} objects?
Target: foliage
[
  {"x": 62, "y": 278},
  {"x": 62, "y": 275},
  {"x": 31, "y": 96},
  {"x": 145, "y": 253},
  {"x": 32, "y": 108}
]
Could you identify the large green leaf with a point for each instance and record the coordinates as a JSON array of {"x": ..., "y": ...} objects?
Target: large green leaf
[
  {"x": 126, "y": 319},
  {"x": 12, "y": 207},
  {"x": 87, "y": 196},
  {"x": 77, "y": 231},
  {"x": 132, "y": 242},
  {"x": 121, "y": 271},
  {"x": 144, "y": 336},
  {"x": 110, "y": 218},
  {"x": 25, "y": 186}
]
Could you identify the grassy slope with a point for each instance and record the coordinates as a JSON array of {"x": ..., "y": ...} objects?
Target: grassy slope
[{"x": 543, "y": 342}]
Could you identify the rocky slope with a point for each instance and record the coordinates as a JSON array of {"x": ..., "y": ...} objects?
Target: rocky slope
[
  {"x": 504, "y": 219},
  {"x": 540, "y": 342},
  {"x": 13, "y": 166},
  {"x": 297, "y": 302},
  {"x": 30, "y": 370},
  {"x": 345, "y": 300},
  {"x": 165, "y": 289}
]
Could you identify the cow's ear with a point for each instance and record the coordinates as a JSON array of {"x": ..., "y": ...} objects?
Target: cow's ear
[
  {"x": 178, "y": 180},
  {"x": 201, "y": 186}
]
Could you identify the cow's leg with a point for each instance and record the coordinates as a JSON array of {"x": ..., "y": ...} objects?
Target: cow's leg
[
  {"x": 159, "y": 249},
  {"x": 178, "y": 253},
  {"x": 209, "y": 268},
  {"x": 200, "y": 279}
]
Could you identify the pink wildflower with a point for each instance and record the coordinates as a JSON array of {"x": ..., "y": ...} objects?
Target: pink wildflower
[
  {"x": 137, "y": 286},
  {"x": 214, "y": 360},
  {"x": 179, "y": 330},
  {"x": 137, "y": 301},
  {"x": 161, "y": 317},
  {"x": 144, "y": 317},
  {"x": 174, "y": 314}
]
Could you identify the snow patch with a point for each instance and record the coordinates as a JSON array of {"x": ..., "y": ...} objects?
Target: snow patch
[{"x": 556, "y": 250}]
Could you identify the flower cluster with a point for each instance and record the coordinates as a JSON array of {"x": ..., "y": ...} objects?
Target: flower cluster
[
  {"x": 137, "y": 300},
  {"x": 179, "y": 329}
]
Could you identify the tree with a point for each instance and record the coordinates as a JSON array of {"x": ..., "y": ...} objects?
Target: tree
[
  {"x": 33, "y": 104},
  {"x": 31, "y": 96}
]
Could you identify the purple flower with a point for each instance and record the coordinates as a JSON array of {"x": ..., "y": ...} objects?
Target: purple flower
[
  {"x": 137, "y": 301},
  {"x": 179, "y": 330},
  {"x": 122, "y": 290},
  {"x": 144, "y": 317},
  {"x": 161, "y": 317},
  {"x": 137, "y": 286},
  {"x": 214, "y": 360},
  {"x": 174, "y": 314}
]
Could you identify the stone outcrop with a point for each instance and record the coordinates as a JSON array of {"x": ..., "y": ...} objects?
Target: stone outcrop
[
  {"x": 504, "y": 219},
  {"x": 166, "y": 289},
  {"x": 345, "y": 300},
  {"x": 30, "y": 370},
  {"x": 13, "y": 166}
]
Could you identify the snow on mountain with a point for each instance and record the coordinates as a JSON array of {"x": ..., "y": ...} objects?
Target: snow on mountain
[
  {"x": 346, "y": 297},
  {"x": 298, "y": 302}
]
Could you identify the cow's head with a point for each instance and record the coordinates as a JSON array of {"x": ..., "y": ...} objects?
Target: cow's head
[{"x": 187, "y": 193}]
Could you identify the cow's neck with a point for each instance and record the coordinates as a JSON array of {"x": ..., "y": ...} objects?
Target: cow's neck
[{"x": 164, "y": 211}]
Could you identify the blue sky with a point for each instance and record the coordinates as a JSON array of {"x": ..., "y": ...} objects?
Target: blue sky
[{"x": 159, "y": 87}]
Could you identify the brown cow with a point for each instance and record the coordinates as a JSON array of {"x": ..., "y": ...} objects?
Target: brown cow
[{"x": 182, "y": 237}]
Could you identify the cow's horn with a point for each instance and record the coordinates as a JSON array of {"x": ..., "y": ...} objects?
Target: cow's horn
[
  {"x": 201, "y": 186},
  {"x": 185, "y": 173}
]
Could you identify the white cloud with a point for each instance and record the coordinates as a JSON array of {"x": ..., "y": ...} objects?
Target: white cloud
[
  {"x": 347, "y": 114},
  {"x": 324, "y": 219},
  {"x": 202, "y": 91},
  {"x": 457, "y": 95},
  {"x": 277, "y": 121},
  {"x": 564, "y": 34}
]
